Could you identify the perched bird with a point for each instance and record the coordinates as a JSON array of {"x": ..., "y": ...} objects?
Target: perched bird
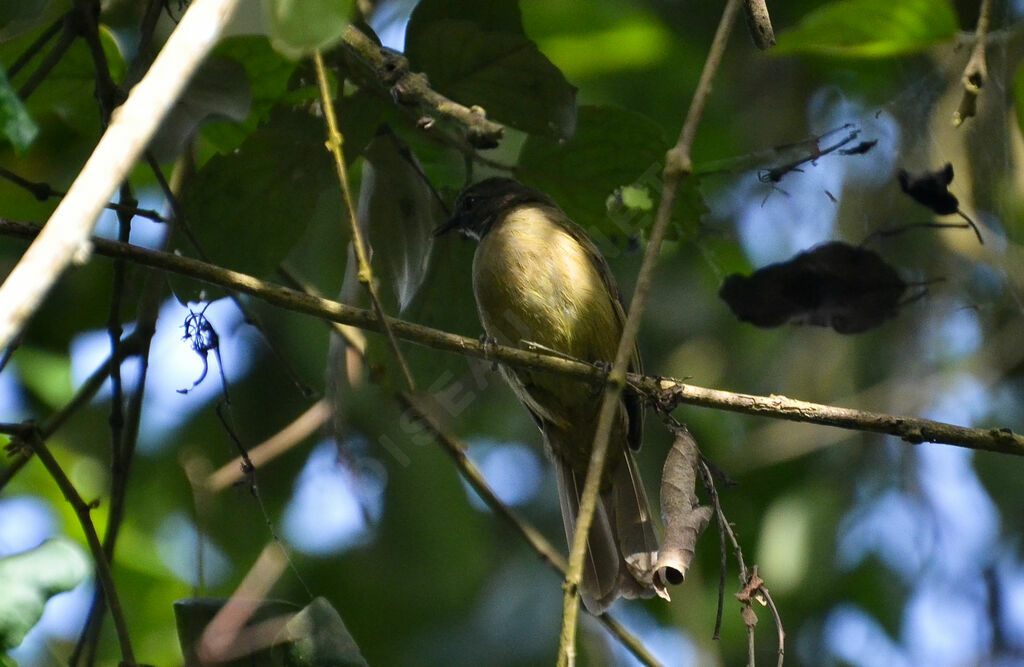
[{"x": 538, "y": 278}]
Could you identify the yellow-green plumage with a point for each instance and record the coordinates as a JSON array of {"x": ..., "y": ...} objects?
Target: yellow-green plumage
[
  {"x": 537, "y": 278},
  {"x": 534, "y": 282}
]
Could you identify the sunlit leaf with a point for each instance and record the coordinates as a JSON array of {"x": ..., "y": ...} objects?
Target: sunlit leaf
[
  {"x": 29, "y": 579},
  {"x": 477, "y": 54},
  {"x": 297, "y": 28},
  {"x": 46, "y": 374},
  {"x": 15, "y": 123},
  {"x": 870, "y": 28}
]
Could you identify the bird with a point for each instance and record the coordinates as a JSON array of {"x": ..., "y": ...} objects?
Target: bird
[{"x": 539, "y": 280}]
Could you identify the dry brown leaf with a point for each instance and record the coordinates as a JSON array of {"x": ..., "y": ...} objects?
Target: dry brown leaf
[{"x": 684, "y": 517}]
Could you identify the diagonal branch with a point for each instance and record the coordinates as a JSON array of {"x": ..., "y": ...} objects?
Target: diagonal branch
[
  {"x": 66, "y": 235},
  {"x": 334, "y": 141},
  {"x": 910, "y": 429},
  {"x": 392, "y": 69}
]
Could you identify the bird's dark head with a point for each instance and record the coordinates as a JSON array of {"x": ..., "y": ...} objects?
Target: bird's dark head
[{"x": 482, "y": 204}]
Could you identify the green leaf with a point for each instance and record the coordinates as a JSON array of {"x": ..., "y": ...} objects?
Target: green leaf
[
  {"x": 15, "y": 123},
  {"x": 69, "y": 91},
  {"x": 297, "y": 28},
  {"x": 29, "y": 579},
  {"x": 317, "y": 636},
  {"x": 870, "y": 28},
  {"x": 613, "y": 148},
  {"x": 268, "y": 74},
  {"x": 477, "y": 54},
  {"x": 248, "y": 208},
  {"x": 193, "y": 615},
  {"x": 218, "y": 90},
  {"x": 312, "y": 637}
]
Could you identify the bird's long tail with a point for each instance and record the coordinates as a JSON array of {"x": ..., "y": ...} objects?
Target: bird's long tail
[{"x": 622, "y": 544}]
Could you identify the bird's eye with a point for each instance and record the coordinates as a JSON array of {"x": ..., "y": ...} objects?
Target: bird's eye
[{"x": 469, "y": 202}]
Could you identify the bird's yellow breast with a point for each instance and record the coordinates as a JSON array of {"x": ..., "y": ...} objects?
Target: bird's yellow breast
[{"x": 533, "y": 281}]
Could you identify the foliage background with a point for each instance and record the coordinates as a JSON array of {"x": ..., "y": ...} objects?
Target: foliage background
[{"x": 876, "y": 552}]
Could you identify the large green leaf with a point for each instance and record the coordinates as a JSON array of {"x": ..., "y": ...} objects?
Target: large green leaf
[
  {"x": 248, "y": 208},
  {"x": 69, "y": 91},
  {"x": 29, "y": 579},
  {"x": 477, "y": 54},
  {"x": 1018, "y": 96},
  {"x": 268, "y": 74},
  {"x": 15, "y": 123},
  {"x": 607, "y": 178},
  {"x": 870, "y": 28},
  {"x": 297, "y": 28}
]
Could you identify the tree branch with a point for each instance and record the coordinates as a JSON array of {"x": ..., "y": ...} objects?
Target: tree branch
[
  {"x": 82, "y": 509},
  {"x": 910, "y": 429},
  {"x": 976, "y": 70},
  {"x": 408, "y": 87}
]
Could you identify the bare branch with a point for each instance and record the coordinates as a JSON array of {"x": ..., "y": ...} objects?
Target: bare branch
[
  {"x": 392, "y": 69},
  {"x": 669, "y": 391}
]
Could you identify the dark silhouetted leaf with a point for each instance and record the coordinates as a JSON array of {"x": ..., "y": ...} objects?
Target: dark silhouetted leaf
[
  {"x": 835, "y": 285},
  {"x": 249, "y": 208},
  {"x": 931, "y": 189},
  {"x": 477, "y": 54},
  {"x": 218, "y": 90}
]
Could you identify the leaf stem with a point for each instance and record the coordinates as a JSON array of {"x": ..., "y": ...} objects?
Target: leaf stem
[{"x": 334, "y": 145}]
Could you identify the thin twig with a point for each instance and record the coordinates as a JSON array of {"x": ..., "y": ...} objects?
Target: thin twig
[
  {"x": 68, "y": 35},
  {"x": 678, "y": 168},
  {"x": 248, "y": 313},
  {"x": 294, "y": 433},
  {"x": 65, "y": 237},
  {"x": 103, "y": 573},
  {"x": 35, "y": 47},
  {"x": 976, "y": 70},
  {"x": 43, "y": 191},
  {"x": 92, "y": 384},
  {"x": 334, "y": 145},
  {"x": 778, "y": 623},
  {"x": 669, "y": 391}
]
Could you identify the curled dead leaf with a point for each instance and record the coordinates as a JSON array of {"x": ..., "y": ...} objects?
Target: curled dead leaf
[{"x": 684, "y": 517}]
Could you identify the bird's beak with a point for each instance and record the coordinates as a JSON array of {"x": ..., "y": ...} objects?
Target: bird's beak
[{"x": 453, "y": 222}]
